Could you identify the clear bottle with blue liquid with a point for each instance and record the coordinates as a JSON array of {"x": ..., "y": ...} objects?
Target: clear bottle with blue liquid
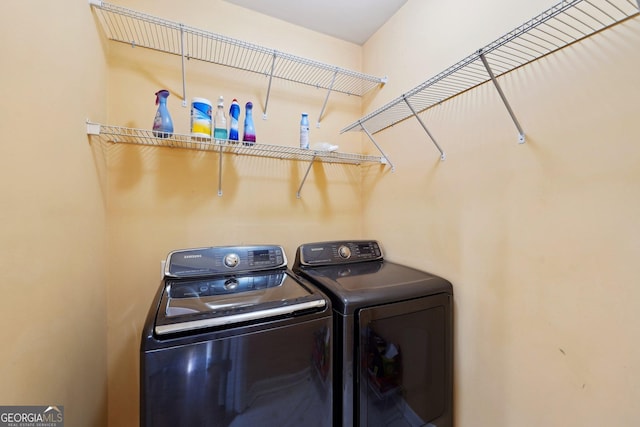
[{"x": 220, "y": 123}]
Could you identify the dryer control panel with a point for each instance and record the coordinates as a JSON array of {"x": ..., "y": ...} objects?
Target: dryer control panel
[
  {"x": 224, "y": 260},
  {"x": 338, "y": 252}
]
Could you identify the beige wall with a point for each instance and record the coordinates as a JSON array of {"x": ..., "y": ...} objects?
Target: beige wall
[
  {"x": 52, "y": 227},
  {"x": 541, "y": 240}
]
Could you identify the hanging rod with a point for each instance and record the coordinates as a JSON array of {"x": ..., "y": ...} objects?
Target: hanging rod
[
  {"x": 563, "y": 24},
  {"x": 139, "y": 29}
]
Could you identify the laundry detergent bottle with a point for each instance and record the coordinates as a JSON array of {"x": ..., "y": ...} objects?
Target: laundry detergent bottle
[
  {"x": 249, "y": 136},
  {"x": 162, "y": 124},
  {"x": 234, "y": 117}
]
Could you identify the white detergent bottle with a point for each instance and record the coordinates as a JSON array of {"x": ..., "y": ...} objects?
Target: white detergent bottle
[{"x": 304, "y": 131}]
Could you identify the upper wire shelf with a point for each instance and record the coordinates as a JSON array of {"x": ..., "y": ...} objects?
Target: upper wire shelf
[
  {"x": 563, "y": 24},
  {"x": 139, "y": 29},
  {"x": 125, "y": 135}
]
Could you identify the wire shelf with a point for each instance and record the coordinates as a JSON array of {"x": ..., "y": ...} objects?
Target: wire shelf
[
  {"x": 125, "y": 135},
  {"x": 139, "y": 29},
  {"x": 565, "y": 23}
]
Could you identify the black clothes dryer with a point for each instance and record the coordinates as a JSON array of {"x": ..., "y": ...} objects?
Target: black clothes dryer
[
  {"x": 233, "y": 339},
  {"x": 393, "y": 335}
]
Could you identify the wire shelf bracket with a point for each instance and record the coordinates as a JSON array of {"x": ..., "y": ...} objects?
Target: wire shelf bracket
[
  {"x": 326, "y": 98},
  {"x": 304, "y": 178},
  {"x": 140, "y": 29},
  {"x": 266, "y": 102},
  {"x": 521, "y": 136},
  {"x": 184, "y": 77},
  {"x": 566, "y": 23},
  {"x": 384, "y": 156},
  {"x": 220, "y": 173},
  {"x": 443, "y": 156}
]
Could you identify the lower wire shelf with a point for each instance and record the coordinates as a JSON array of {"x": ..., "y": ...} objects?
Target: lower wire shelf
[{"x": 126, "y": 135}]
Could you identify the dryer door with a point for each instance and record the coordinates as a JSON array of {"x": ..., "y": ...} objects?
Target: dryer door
[{"x": 405, "y": 363}]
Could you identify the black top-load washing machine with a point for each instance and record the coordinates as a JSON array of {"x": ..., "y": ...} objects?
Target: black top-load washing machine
[
  {"x": 393, "y": 339},
  {"x": 233, "y": 339}
]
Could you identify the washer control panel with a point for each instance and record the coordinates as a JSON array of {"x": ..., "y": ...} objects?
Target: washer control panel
[
  {"x": 224, "y": 260},
  {"x": 339, "y": 252}
]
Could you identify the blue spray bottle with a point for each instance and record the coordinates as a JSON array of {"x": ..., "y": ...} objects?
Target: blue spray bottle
[
  {"x": 234, "y": 117},
  {"x": 249, "y": 136},
  {"x": 162, "y": 124}
]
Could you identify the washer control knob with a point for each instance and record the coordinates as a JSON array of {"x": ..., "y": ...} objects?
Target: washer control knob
[
  {"x": 231, "y": 284},
  {"x": 231, "y": 260},
  {"x": 344, "y": 252}
]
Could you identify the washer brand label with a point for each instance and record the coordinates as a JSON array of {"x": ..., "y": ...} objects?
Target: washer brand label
[
  {"x": 31, "y": 416},
  {"x": 192, "y": 256}
]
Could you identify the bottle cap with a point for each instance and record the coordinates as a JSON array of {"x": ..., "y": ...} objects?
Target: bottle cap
[
  {"x": 201, "y": 100},
  {"x": 161, "y": 92}
]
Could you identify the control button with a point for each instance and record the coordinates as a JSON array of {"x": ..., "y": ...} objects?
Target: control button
[
  {"x": 231, "y": 284},
  {"x": 231, "y": 260},
  {"x": 344, "y": 252}
]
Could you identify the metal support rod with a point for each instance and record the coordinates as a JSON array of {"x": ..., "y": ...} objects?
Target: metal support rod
[
  {"x": 442, "y": 155},
  {"x": 326, "y": 98},
  {"x": 393, "y": 168},
  {"x": 220, "y": 173},
  {"x": 521, "y": 137},
  {"x": 184, "y": 84},
  {"x": 266, "y": 102},
  {"x": 305, "y": 175}
]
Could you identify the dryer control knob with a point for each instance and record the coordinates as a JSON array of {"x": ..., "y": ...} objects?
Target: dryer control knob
[
  {"x": 231, "y": 260},
  {"x": 344, "y": 252}
]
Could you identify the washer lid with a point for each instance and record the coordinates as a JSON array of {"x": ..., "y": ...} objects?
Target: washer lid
[
  {"x": 358, "y": 285},
  {"x": 216, "y": 301}
]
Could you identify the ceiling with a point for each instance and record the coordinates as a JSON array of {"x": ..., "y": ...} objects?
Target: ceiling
[{"x": 352, "y": 20}]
